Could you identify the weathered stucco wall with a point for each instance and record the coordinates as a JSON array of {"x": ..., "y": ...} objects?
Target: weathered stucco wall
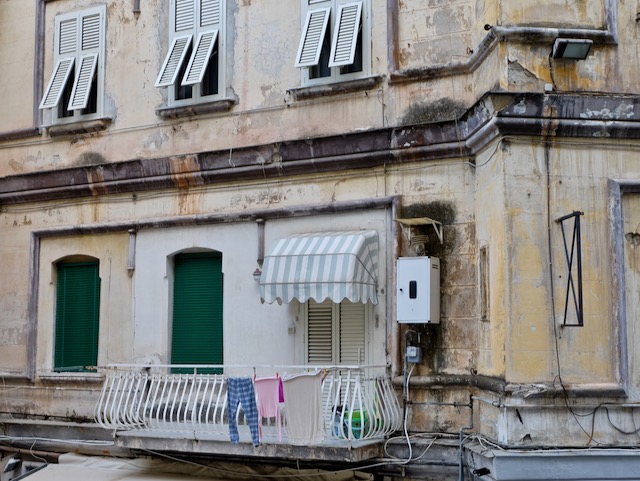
[
  {"x": 507, "y": 203},
  {"x": 17, "y": 35}
]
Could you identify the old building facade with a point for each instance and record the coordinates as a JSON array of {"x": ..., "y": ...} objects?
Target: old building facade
[{"x": 238, "y": 185}]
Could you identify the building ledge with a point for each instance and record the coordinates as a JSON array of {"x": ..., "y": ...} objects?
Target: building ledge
[
  {"x": 223, "y": 105},
  {"x": 19, "y": 134},
  {"x": 316, "y": 91}
]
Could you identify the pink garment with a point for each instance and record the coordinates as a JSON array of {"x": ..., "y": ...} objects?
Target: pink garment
[{"x": 268, "y": 396}]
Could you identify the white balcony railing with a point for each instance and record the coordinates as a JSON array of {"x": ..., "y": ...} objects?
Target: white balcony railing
[{"x": 358, "y": 402}]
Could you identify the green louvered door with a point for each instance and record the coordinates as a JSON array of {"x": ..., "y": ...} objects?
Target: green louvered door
[
  {"x": 197, "y": 310},
  {"x": 77, "y": 316}
]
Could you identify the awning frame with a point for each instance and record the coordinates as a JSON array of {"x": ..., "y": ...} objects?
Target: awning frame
[{"x": 335, "y": 265}]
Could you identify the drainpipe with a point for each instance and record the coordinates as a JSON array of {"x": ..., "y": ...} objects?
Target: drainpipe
[
  {"x": 393, "y": 339},
  {"x": 460, "y": 439},
  {"x": 606, "y": 36}
]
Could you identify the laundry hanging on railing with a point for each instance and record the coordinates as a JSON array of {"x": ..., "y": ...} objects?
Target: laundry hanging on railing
[
  {"x": 268, "y": 398},
  {"x": 303, "y": 395},
  {"x": 240, "y": 391}
]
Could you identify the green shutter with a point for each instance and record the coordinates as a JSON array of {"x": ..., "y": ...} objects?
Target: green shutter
[
  {"x": 77, "y": 316},
  {"x": 197, "y": 310}
]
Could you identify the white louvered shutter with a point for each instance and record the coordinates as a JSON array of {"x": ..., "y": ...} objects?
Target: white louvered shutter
[
  {"x": 345, "y": 35},
  {"x": 352, "y": 333},
  {"x": 65, "y": 44},
  {"x": 91, "y": 38},
  {"x": 209, "y": 26},
  {"x": 313, "y": 33},
  {"x": 320, "y": 332},
  {"x": 183, "y": 15}
]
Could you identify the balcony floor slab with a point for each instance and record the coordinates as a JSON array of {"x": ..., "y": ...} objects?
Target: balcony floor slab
[{"x": 330, "y": 450}]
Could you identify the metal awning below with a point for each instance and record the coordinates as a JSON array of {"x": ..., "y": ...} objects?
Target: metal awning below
[
  {"x": 73, "y": 467},
  {"x": 334, "y": 265}
]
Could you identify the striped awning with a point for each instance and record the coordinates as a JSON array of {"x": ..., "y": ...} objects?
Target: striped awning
[{"x": 335, "y": 265}]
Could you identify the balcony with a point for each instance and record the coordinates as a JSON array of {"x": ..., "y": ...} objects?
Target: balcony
[{"x": 185, "y": 409}]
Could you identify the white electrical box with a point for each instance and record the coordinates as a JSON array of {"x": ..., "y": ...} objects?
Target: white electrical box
[{"x": 418, "y": 290}]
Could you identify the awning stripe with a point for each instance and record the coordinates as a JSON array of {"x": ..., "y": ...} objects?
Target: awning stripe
[{"x": 338, "y": 265}]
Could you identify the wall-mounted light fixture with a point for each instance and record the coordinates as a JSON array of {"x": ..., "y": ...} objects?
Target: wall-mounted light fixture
[
  {"x": 571, "y": 48},
  {"x": 257, "y": 274}
]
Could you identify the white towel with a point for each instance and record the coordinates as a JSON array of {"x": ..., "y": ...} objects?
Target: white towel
[{"x": 303, "y": 408}]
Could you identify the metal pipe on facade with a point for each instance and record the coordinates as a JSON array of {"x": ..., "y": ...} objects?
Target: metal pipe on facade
[{"x": 606, "y": 36}]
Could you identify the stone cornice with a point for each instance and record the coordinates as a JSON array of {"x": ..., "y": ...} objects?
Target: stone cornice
[{"x": 494, "y": 116}]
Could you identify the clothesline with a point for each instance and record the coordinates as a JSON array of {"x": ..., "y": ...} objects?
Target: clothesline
[{"x": 243, "y": 366}]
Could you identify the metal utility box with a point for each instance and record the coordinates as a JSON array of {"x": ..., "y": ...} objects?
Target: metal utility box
[{"x": 418, "y": 290}]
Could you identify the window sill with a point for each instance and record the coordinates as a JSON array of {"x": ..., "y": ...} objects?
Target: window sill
[
  {"x": 223, "y": 105},
  {"x": 317, "y": 91},
  {"x": 76, "y": 128}
]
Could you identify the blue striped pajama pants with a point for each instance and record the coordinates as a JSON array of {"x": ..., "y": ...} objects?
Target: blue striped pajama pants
[{"x": 240, "y": 391}]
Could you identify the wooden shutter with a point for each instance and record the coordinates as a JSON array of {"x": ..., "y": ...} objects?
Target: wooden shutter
[
  {"x": 65, "y": 53},
  {"x": 345, "y": 35},
  {"x": 183, "y": 15},
  {"x": 91, "y": 38},
  {"x": 335, "y": 333},
  {"x": 210, "y": 11},
  {"x": 173, "y": 61},
  {"x": 320, "y": 332},
  {"x": 59, "y": 79},
  {"x": 200, "y": 58},
  {"x": 77, "y": 316},
  {"x": 209, "y": 26},
  {"x": 313, "y": 33},
  {"x": 197, "y": 335},
  {"x": 352, "y": 333}
]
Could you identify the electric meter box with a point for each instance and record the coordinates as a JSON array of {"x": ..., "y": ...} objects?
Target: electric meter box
[{"x": 418, "y": 290}]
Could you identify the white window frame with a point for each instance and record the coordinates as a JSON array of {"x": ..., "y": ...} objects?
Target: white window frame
[
  {"x": 323, "y": 17},
  {"x": 84, "y": 52},
  {"x": 336, "y": 337},
  {"x": 201, "y": 31}
]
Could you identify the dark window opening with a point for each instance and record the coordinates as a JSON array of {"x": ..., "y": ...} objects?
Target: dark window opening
[
  {"x": 66, "y": 96},
  {"x": 356, "y": 66},
  {"x": 322, "y": 69},
  {"x": 92, "y": 103},
  {"x": 183, "y": 91},
  {"x": 210, "y": 81}
]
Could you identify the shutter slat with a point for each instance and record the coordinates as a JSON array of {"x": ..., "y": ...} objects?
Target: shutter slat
[
  {"x": 90, "y": 32},
  {"x": 352, "y": 333},
  {"x": 313, "y": 32},
  {"x": 56, "y": 85},
  {"x": 67, "y": 37},
  {"x": 343, "y": 46},
  {"x": 320, "y": 332},
  {"x": 173, "y": 61},
  {"x": 82, "y": 86},
  {"x": 184, "y": 15},
  {"x": 200, "y": 58},
  {"x": 209, "y": 13}
]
